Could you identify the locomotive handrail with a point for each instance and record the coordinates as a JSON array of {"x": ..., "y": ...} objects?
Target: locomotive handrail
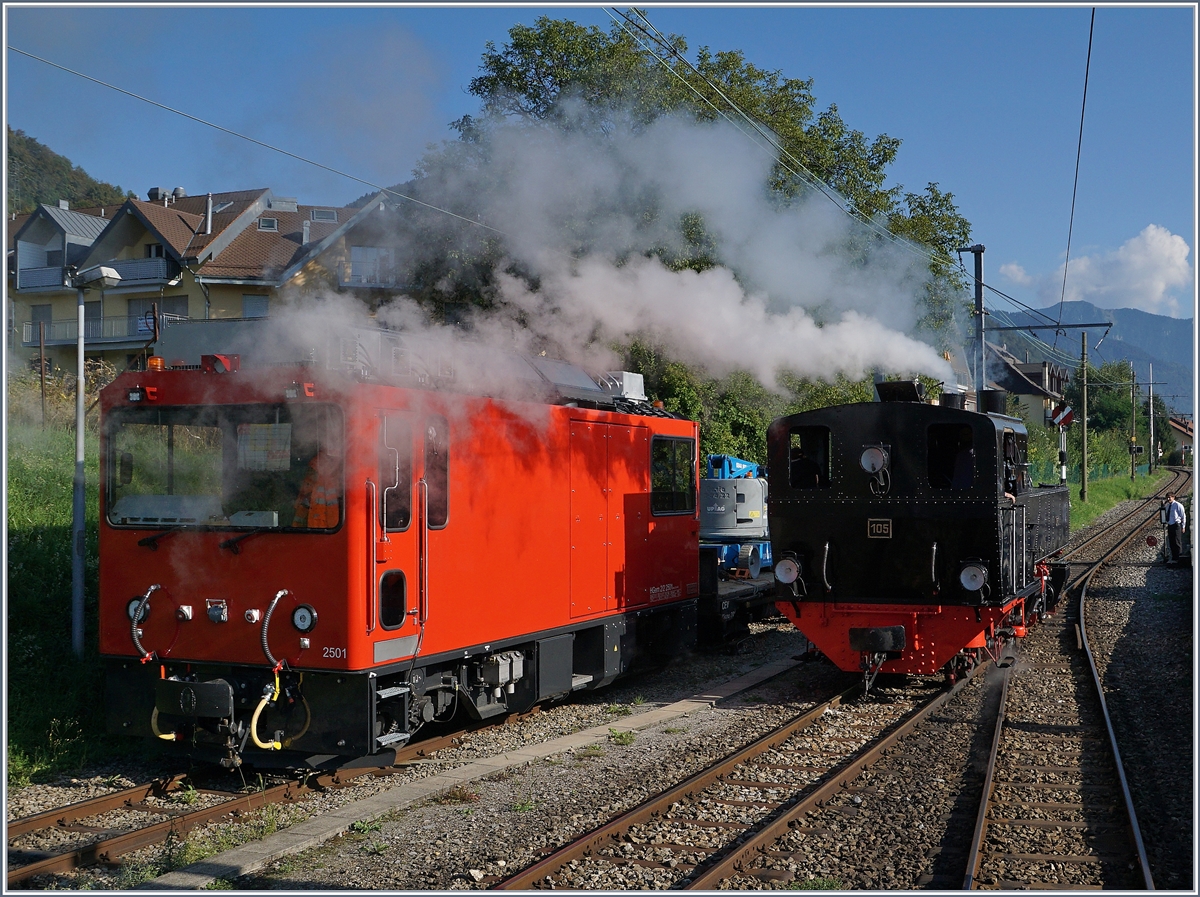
[
  {"x": 372, "y": 505},
  {"x": 423, "y": 561},
  {"x": 824, "y": 562}
]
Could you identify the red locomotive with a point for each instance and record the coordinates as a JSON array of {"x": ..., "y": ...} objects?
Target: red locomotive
[{"x": 306, "y": 562}]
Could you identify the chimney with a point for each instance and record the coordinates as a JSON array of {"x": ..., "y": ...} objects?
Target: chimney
[
  {"x": 208, "y": 215},
  {"x": 64, "y": 205},
  {"x": 304, "y": 239}
]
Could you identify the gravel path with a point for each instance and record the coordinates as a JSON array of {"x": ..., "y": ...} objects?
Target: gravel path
[{"x": 1140, "y": 617}]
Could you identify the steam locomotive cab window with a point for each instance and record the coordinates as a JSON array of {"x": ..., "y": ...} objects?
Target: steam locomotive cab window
[
  {"x": 437, "y": 470},
  {"x": 672, "y": 475},
  {"x": 1016, "y": 469},
  {"x": 951, "y": 460},
  {"x": 258, "y": 466},
  {"x": 808, "y": 458},
  {"x": 395, "y": 475},
  {"x": 392, "y": 605}
]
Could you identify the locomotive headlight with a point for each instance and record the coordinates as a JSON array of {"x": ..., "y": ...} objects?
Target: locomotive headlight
[
  {"x": 132, "y": 607},
  {"x": 973, "y": 577},
  {"x": 787, "y": 570},
  {"x": 873, "y": 459},
  {"x": 304, "y": 618}
]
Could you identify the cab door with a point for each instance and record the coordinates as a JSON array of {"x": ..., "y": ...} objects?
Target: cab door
[
  {"x": 395, "y": 544},
  {"x": 409, "y": 501}
]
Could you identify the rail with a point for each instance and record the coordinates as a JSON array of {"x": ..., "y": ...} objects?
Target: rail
[{"x": 1092, "y": 775}]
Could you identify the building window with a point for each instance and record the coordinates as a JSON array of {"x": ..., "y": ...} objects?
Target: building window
[
  {"x": 255, "y": 306},
  {"x": 672, "y": 475},
  {"x": 54, "y": 258},
  {"x": 155, "y": 251},
  {"x": 41, "y": 313},
  {"x": 268, "y": 224},
  {"x": 370, "y": 264},
  {"x": 324, "y": 215},
  {"x": 93, "y": 323}
]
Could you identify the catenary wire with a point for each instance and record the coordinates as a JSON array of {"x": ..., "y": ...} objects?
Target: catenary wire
[
  {"x": 808, "y": 177},
  {"x": 1078, "y": 153},
  {"x": 233, "y": 133}
]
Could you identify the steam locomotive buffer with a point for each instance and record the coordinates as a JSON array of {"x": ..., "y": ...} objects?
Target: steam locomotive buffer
[
  {"x": 907, "y": 536},
  {"x": 307, "y": 561}
]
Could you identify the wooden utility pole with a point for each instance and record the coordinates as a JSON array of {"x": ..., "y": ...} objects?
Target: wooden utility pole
[{"x": 1084, "y": 466}]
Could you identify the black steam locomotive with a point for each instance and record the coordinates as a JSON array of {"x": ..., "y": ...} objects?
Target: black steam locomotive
[{"x": 907, "y": 536}]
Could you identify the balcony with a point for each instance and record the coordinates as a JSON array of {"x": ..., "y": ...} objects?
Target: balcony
[
  {"x": 370, "y": 276},
  {"x": 145, "y": 272},
  {"x": 51, "y": 278},
  {"x": 135, "y": 328}
]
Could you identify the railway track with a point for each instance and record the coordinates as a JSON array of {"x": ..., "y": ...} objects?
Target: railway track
[
  {"x": 1055, "y": 808},
  {"x": 105, "y": 828},
  {"x": 712, "y": 825}
]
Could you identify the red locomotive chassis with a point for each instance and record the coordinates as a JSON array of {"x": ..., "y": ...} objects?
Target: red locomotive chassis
[{"x": 438, "y": 547}]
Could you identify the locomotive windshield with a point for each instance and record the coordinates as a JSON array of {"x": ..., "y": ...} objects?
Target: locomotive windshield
[{"x": 274, "y": 466}]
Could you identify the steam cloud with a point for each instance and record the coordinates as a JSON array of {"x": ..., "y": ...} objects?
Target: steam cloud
[{"x": 799, "y": 286}]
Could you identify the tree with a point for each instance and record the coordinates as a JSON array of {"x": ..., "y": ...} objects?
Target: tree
[
  {"x": 37, "y": 174},
  {"x": 557, "y": 74}
]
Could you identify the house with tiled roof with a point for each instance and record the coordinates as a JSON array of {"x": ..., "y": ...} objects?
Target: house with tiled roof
[
  {"x": 219, "y": 255},
  {"x": 1182, "y": 428}
]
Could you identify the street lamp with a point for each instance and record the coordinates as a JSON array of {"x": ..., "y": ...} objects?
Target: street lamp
[{"x": 103, "y": 277}]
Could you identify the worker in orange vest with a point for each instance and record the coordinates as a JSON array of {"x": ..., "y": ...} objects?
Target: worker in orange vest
[{"x": 316, "y": 505}]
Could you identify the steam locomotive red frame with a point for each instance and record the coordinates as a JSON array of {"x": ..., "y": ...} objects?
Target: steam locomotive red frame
[{"x": 541, "y": 548}]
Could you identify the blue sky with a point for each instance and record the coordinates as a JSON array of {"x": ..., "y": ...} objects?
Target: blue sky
[{"x": 986, "y": 101}]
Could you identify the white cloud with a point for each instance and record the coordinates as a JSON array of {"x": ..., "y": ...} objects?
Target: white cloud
[{"x": 1150, "y": 272}]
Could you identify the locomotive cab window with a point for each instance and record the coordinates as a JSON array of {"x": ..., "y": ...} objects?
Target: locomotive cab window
[
  {"x": 808, "y": 458},
  {"x": 951, "y": 458},
  {"x": 238, "y": 466},
  {"x": 392, "y": 599},
  {"x": 672, "y": 475},
  {"x": 1016, "y": 467},
  {"x": 437, "y": 470},
  {"x": 395, "y": 474}
]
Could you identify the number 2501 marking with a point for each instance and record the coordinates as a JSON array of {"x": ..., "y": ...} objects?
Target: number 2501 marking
[{"x": 335, "y": 653}]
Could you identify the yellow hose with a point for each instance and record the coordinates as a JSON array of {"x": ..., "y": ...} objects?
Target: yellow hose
[
  {"x": 165, "y": 736},
  {"x": 265, "y": 745}
]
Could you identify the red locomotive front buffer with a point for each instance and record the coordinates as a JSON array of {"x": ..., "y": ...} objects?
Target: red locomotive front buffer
[{"x": 300, "y": 566}]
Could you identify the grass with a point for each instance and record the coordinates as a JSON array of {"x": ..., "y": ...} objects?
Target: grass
[
  {"x": 1108, "y": 493},
  {"x": 459, "y": 794},
  {"x": 622, "y": 738},
  {"x": 817, "y": 884},
  {"x": 590, "y": 752},
  {"x": 618, "y": 709}
]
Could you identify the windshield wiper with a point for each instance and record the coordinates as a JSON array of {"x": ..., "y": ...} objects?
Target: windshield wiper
[
  {"x": 233, "y": 544},
  {"x": 152, "y": 541}
]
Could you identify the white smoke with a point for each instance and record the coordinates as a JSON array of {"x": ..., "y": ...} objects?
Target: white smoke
[
  {"x": 573, "y": 209},
  {"x": 1150, "y": 272}
]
